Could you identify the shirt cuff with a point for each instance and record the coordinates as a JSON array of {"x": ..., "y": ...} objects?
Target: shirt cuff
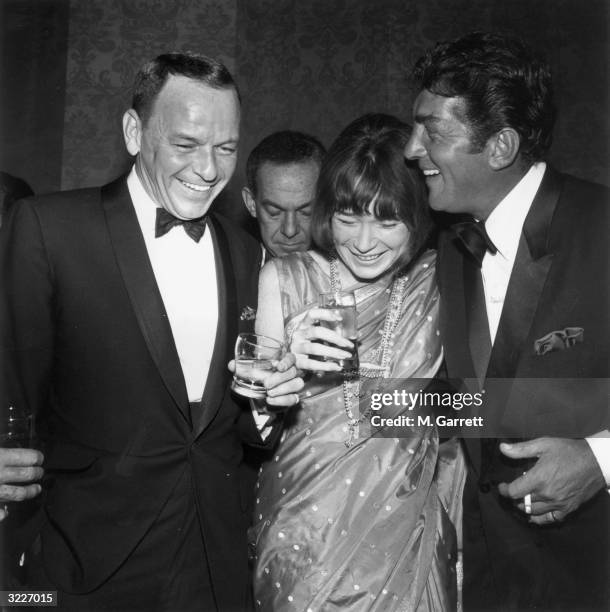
[{"x": 600, "y": 447}]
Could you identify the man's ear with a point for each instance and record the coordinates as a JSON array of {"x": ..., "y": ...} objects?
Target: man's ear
[
  {"x": 132, "y": 131},
  {"x": 503, "y": 148},
  {"x": 248, "y": 199}
]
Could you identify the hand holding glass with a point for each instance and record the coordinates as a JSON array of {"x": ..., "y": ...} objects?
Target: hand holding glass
[
  {"x": 343, "y": 304},
  {"x": 17, "y": 429},
  {"x": 256, "y": 357}
]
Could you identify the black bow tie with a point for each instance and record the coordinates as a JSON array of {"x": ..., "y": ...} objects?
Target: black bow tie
[
  {"x": 475, "y": 239},
  {"x": 165, "y": 221}
]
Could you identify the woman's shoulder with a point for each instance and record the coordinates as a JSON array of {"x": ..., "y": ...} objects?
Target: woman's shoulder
[
  {"x": 423, "y": 266},
  {"x": 420, "y": 277}
]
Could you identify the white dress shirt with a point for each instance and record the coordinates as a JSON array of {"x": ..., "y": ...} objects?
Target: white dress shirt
[
  {"x": 504, "y": 226},
  {"x": 185, "y": 272}
]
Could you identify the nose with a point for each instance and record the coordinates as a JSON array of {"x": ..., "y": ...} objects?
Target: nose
[
  {"x": 365, "y": 240},
  {"x": 290, "y": 227},
  {"x": 205, "y": 165},
  {"x": 415, "y": 148}
]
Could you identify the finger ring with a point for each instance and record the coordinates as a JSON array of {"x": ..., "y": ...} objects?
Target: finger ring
[
  {"x": 553, "y": 517},
  {"x": 298, "y": 399},
  {"x": 527, "y": 501}
]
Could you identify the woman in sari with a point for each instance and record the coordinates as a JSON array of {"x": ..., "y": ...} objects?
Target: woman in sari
[{"x": 345, "y": 520}]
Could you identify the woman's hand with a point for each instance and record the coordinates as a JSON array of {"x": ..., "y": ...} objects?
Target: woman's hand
[{"x": 307, "y": 340}]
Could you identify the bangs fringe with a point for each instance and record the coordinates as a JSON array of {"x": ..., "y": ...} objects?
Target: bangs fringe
[{"x": 357, "y": 189}]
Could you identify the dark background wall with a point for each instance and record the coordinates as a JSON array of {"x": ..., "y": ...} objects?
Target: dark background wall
[{"x": 313, "y": 65}]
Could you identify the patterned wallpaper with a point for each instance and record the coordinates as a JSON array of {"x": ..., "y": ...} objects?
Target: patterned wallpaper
[
  {"x": 315, "y": 65},
  {"x": 108, "y": 41}
]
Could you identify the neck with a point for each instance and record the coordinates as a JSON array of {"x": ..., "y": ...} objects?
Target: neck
[{"x": 504, "y": 182}]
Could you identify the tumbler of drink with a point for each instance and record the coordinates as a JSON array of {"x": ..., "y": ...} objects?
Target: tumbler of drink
[
  {"x": 342, "y": 303},
  {"x": 16, "y": 428},
  {"x": 256, "y": 357}
]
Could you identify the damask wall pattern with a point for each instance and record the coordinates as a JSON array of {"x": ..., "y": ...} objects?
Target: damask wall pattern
[
  {"x": 315, "y": 65},
  {"x": 108, "y": 41}
]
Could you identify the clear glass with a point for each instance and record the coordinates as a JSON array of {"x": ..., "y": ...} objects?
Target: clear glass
[
  {"x": 256, "y": 357},
  {"x": 343, "y": 303},
  {"x": 16, "y": 429}
]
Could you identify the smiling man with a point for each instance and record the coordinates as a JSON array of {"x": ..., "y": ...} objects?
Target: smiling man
[
  {"x": 282, "y": 172},
  {"x": 524, "y": 315},
  {"x": 123, "y": 306}
]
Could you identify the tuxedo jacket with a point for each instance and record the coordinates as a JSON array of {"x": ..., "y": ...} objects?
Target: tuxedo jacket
[
  {"x": 559, "y": 280},
  {"x": 93, "y": 357}
]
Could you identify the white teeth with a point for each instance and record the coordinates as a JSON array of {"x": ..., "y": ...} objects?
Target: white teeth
[
  {"x": 196, "y": 187},
  {"x": 368, "y": 257},
  {"x": 430, "y": 172}
]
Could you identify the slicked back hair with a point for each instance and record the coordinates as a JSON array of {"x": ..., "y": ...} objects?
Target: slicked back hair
[
  {"x": 285, "y": 147},
  {"x": 502, "y": 84},
  {"x": 154, "y": 74}
]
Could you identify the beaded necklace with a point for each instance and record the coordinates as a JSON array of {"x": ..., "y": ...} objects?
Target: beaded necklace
[{"x": 383, "y": 353}]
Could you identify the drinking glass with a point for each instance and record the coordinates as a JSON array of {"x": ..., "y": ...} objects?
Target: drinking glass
[
  {"x": 16, "y": 428},
  {"x": 256, "y": 357},
  {"x": 342, "y": 303}
]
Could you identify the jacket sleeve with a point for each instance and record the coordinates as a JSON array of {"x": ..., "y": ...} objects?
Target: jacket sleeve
[{"x": 27, "y": 311}]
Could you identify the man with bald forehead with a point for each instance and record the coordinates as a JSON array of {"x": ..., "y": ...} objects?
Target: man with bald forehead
[{"x": 124, "y": 304}]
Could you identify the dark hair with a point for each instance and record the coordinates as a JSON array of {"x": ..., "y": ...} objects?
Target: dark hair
[
  {"x": 286, "y": 147},
  {"x": 366, "y": 163},
  {"x": 153, "y": 75},
  {"x": 502, "y": 85}
]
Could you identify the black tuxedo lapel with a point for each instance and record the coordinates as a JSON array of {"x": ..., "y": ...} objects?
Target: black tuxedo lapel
[
  {"x": 479, "y": 340},
  {"x": 141, "y": 286},
  {"x": 530, "y": 270},
  {"x": 226, "y": 330}
]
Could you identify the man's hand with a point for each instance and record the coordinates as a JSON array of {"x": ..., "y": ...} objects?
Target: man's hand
[
  {"x": 19, "y": 465},
  {"x": 283, "y": 385},
  {"x": 565, "y": 476}
]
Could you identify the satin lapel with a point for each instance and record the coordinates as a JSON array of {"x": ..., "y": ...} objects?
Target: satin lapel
[
  {"x": 532, "y": 264},
  {"x": 479, "y": 340},
  {"x": 454, "y": 326},
  {"x": 453, "y": 311},
  {"x": 138, "y": 276},
  {"x": 226, "y": 331}
]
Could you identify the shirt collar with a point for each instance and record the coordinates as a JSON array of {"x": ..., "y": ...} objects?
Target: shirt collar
[
  {"x": 505, "y": 222},
  {"x": 145, "y": 206}
]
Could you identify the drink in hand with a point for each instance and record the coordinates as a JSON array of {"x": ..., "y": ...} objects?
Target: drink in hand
[
  {"x": 343, "y": 304},
  {"x": 256, "y": 357},
  {"x": 251, "y": 374}
]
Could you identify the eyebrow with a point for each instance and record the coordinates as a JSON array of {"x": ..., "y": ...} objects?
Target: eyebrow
[
  {"x": 419, "y": 118},
  {"x": 184, "y": 137},
  {"x": 267, "y": 202},
  {"x": 193, "y": 139}
]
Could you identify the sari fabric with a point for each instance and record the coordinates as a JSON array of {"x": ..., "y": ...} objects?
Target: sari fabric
[{"x": 365, "y": 527}]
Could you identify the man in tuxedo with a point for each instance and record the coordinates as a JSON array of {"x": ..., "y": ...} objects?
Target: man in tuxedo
[
  {"x": 524, "y": 315},
  {"x": 19, "y": 467},
  {"x": 123, "y": 305},
  {"x": 281, "y": 173}
]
